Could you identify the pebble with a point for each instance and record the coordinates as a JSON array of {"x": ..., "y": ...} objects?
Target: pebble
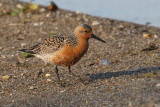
[
  {"x": 23, "y": 45},
  {"x": 35, "y": 24},
  {"x": 41, "y": 23},
  {"x": 104, "y": 62},
  {"x": 121, "y": 27},
  {"x": 47, "y": 15},
  {"x": 31, "y": 87},
  {"x": 158, "y": 85},
  {"x": 42, "y": 10},
  {"x": 48, "y": 75},
  {"x": 19, "y": 6},
  {"x": 0, "y": 4},
  {"x": 56, "y": 28},
  {"x": 43, "y": 70},
  {"x": 5, "y": 77},
  {"x": 21, "y": 37},
  {"x": 95, "y": 23},
  {"x": 49, "y": 80},
  {"x": 38, "y": 24},
  {"x": 1, "y": 48},
  {"x": 3, "y": 56}
]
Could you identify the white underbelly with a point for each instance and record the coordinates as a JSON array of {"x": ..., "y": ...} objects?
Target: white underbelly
[{"x": 47, "y": 58}]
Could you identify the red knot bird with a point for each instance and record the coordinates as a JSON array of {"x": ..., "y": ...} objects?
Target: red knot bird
[{"x": 64, "y": 49}]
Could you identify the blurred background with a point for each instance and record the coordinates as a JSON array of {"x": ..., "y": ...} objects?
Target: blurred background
[{"x": 137, "y": 11}]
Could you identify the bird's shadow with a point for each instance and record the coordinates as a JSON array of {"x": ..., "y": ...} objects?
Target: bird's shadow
[{"x": 136, "y": 71}]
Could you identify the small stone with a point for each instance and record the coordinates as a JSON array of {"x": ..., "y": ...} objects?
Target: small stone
[
  {"x": 21, "y": 37},
  {"x": 43, "y": 70},
  {"x": 42, "y": 10},
  {"x": 104, "y": 62},
  {"x": 62, "y": 91},
  {"x": 86, "y": 19},
  {"x": 23, "y": 45},
  {"x": 48, "y": 75},
  {"x": 49, "y": 80},
  {"x": 40, "y": 23},
  {"x": 95, "y": 23},
  {"x": 1, "y": 48},
  {"x": 0, "y": 4},
  {"x": 31, "y": 87},
  {"x": 47, "y": 15},
  {"x": 158, "y": 85},
  {"x": 121, "y": 27},
  {"x": 36, "y": 24},
  {"x": 3, "y": 56},
  {"x": 19, "y": 6},
  {"x": 5, "y": 77}
]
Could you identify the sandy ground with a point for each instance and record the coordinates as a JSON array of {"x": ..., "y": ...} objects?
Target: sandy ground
[{"x": 132, "y": 78}]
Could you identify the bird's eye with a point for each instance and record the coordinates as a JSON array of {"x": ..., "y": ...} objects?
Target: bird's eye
[{"x": 86, "y": 31}]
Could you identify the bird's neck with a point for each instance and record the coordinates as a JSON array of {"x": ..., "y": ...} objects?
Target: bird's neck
[{"x": 82, "y": 46}]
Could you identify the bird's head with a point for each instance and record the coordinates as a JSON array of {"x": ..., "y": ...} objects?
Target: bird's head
[{"x": 84, "y": 31}]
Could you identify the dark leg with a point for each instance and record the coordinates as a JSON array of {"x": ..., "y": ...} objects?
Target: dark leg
[
  {"x": 56, "y": 70},
  {"x": 69, "y": 68}
]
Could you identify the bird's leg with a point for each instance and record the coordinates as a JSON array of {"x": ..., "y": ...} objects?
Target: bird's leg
[
  {"x": 56, "y": 70},
  {"x": 69, "y": 69}
]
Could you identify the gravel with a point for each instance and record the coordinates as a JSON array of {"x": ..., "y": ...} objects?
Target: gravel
[{"x": 131, "y": 78}]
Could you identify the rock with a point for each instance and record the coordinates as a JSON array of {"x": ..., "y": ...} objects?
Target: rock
[
  {"x": 40, "y": 23},
  {"x": 31, "y": 87},
  {"x": 48, "y": 75},
  {"x": 95, "y": 23},
  {"x": 3, "y": 56},
  {"x": 36, "y": 24},
  {"x": 5, "y": 77},
  {"x": 19, "y": 6},
  {"x": 23, "y": 45},
  {"x": 48, "y": 15},
  {"x": 43, "y": 69},
  {"x": 21, "y": 37},
  {"x": 42, "y": 10},
  {"x": 49, "y": 80},
  {"x": 158, "y": 85}
]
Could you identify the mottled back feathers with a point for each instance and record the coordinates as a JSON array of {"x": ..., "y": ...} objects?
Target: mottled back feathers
[{"x": 53, "y": 43}]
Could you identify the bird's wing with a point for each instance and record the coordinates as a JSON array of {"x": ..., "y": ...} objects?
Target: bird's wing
[{"x": 49, "y": 45}]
